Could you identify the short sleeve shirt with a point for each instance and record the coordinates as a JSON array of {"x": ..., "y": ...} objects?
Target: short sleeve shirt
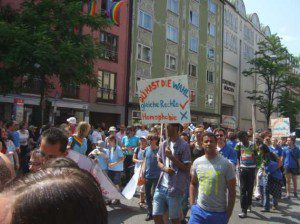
[
  {"x": 77, "y": 145},
  {"x": 130, "y": 143},
  {"x": 212, "y": 177},
  {"x": 115, "y": 154}
]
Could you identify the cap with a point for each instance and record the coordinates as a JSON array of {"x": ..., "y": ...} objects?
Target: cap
[
  {"x": 112, "y": 128},
  {"x": 101, "y": 144},
  {"x": 71, "y": 120},
  {"x": 143, "y": 137}
]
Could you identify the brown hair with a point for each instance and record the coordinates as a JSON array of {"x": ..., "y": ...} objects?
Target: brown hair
[{"x": 55, "y": 196}]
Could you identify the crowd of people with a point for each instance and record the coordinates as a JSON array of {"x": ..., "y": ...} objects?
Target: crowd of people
[{"x": 181, "y": 168}]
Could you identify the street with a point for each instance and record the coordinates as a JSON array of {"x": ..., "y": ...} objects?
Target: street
[{"x": 289, "y": 212}]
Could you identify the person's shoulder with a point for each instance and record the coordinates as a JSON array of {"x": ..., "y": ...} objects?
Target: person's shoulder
[
  {"x": 199, "y": 160},
  {"x": 183, "y": 143}
]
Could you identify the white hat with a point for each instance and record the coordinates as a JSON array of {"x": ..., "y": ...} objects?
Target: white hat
[
  {"x": 112, "y": 128},
  {"x": 143, "y": 137},
  {"x": 71, "y": 120}
]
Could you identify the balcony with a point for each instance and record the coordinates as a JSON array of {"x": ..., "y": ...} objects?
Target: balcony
[
  {"x": 106, "y": 95},
  {"x": 71, "y": 91},
  {"x": 109, "y": 55},
  {"x": 32, "y": 87}
]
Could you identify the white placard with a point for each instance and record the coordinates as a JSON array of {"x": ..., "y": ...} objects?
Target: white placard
[{"x": 164, "y": 100}]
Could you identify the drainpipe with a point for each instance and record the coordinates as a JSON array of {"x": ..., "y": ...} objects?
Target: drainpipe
[
  {"x": 222, "y": 64},
  {"x": 128, "y": 60}
]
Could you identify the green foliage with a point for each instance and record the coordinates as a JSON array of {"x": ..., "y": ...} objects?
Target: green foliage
[
  {"x": 273, "y": 66},
  {"x": 289, "y": 106},
  {"x": 39, "y": 42}
]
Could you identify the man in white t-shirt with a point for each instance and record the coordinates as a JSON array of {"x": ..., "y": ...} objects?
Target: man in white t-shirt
[
  {"x": 97, "y": 135},
  {"x": 142, "y": 132}
]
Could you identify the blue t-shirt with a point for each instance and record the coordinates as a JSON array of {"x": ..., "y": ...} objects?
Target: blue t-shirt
[
  {"x": 130, "y": 144},
  {"x": 229, "y": 153},
  {"x": 77, "y": 146},
  {"x": 231, "y": 144},
  {"x": 272, "y": 169},
  {"x": 115, "y": 154},
  {"x": 290, "y": 156},
  {"x": 152, "y": 170},
  {"x": 15, "y": 137},
  {"x": 277, "y": 151}
]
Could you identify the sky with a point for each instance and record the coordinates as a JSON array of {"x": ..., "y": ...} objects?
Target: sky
[{"x": 283, "y": 18}]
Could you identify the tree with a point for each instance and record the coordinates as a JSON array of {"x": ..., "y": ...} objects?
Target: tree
[
  {"x": 48, "y": 39},
  {"x": 289, "y": 106},
  {"x": 273, "y": 66}
]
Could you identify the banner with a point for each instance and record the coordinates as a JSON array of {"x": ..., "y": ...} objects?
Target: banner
[
  {"x": 164, "y": 100},
  {"x": 130, "y": 188},
  {"x": 108, "y": 188},
  {"x": 280, "y": 127},
  {"x": 228, "y": 122},
  {"x": 18, "y": 109}
]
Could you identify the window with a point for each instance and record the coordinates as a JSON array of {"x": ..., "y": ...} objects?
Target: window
[
  {"x": 172, "y": 33},
  {"x": 145, "y": 20},
  {"x": 173, "y": 6},
  {"x": 211, "y": 29},
  {"x": 210, "y": 52},
  {"x": 210, "y": 77},
  {"x": 212, "y": 7},
  {"x": 144, "y": 53},
  {"x": 193, "y": 44},
  {"x": 110, "y": 46},
  {"x": 136, "y": 85},
  {"x": 170, "y": 62},
  {"x": 192, "y": 96},
  {"x": 194, "y": 18},
  {"x": 209, "y": 101},
  {"x": 231, "y": 41},
  {"x": 192, "y": 70},
  {"x": 107, "y": 86}
]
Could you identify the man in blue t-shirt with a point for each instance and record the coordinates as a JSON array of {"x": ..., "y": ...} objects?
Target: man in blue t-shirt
[
  {"x": 291, "y": 155},
  {"x": 224, "y": 149}
]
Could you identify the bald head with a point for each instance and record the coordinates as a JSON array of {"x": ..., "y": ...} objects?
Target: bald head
[{"x": 7, "y": 172}]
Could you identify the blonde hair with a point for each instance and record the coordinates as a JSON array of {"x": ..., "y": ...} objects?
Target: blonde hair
[{"x": 82, "y": 128}]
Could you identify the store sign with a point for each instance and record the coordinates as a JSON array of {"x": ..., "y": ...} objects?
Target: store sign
[
  {"x": 280, "y": 127},
  {"x": 228, "y": 86},
  {"x": 165, "y": 100},
  {"x": 229, "y": 122},
  {"x": 18, "y": 109}
]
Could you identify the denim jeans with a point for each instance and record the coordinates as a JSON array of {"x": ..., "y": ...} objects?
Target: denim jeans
[
  {"x": 162, "y": 202},
  {"x": 150, "y": 186},
  {"x": 266, "y": 199}
]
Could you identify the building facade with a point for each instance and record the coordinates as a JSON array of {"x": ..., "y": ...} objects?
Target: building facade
[
  {"x": 173, "y": 37},
  {"x": 105, "y": 104},
  {"x": 242, "y": 33}
]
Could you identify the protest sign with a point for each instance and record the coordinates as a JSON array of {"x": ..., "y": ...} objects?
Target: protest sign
[
  {"x": 108, "y": 188},
  {"x": 228, "y": 122},
  {"x": 164, "y": 100},
  {"x": 280, "y": 127}
]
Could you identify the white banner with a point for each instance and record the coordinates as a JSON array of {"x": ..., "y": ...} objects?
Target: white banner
[
  {"x": 280, "y": 127},
  {"x": 165, "y": 100},
  {"x": 108, "y": 188},
  {"x": 130, "y": 188}
]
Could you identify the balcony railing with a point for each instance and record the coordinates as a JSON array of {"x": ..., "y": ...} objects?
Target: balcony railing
[
  {"x": 109, "y": 55},
  {"x": 106, "y": 95},
  {"x": 71, "y": 91},
  {"x": 32, "y": 86}
]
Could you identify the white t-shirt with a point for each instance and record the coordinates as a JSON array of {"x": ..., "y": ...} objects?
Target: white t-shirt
[
  {"x": 140, "y": 133},
  {"x": 165, "y": 179},
  {"x": 24, "y": 137},
  {"x": 96, "y": 136}
]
